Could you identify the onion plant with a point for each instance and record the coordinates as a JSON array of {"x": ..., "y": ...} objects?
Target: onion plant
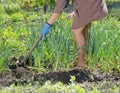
[{"x": 58, "y": 49}]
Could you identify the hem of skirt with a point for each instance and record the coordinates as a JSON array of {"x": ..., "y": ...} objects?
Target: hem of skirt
[{"x": 74, "y": 28}]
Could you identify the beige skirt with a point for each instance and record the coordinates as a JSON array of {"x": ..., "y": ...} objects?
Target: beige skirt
[{"x": 86, "y": 11}]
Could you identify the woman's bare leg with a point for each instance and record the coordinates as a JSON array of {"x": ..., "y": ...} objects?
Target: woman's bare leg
[
  {"x": 80, "y": 37},
  {"x": 86, "y": 31}
]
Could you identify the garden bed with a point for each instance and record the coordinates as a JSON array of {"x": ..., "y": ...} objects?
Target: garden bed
[{"x": 85, "y": 78}]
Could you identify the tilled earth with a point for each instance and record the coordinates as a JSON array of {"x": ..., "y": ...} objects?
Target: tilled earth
[
  {"x": 21, "y": 75},
  {"x": 84, "y": 78}
]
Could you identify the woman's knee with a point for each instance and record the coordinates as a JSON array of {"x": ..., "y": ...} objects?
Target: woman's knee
[{"x": 78, "y": 31}]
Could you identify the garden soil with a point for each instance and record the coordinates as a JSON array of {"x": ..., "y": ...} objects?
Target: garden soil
[
  {"x": 85, "y": 78},
  {"x": 23, "y": 75}
]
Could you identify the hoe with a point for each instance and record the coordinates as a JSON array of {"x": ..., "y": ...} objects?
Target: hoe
[{"x": 30, "y": 51}]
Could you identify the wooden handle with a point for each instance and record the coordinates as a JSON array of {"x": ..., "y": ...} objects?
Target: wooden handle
[{"x": 32, "y": 48}]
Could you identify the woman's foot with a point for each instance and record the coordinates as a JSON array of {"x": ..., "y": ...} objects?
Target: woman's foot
[{"x": 79, "y": 67}]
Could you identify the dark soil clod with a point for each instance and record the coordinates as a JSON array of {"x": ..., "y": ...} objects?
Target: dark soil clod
[
  {"x": 65, "y": 77},
  {"x": 22, "y": 75}
]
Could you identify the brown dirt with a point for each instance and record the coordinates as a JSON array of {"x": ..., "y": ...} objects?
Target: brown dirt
[{"x": 24, "y": 76}]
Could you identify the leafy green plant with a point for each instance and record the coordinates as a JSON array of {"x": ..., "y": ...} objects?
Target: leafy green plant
[
  {"x": 17, "y": 17},
  {"x": 11, "y": 45},
  {"x": 32, "y": 17},
  {"x": 31, "y": 4},
  {"x": 11, "y": 7},
  {"x": 103, "y": 44},
  {"x": 4, "y": 18}
]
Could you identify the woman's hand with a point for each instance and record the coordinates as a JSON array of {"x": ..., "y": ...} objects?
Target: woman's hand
[
  {"x": 71, "y": 15},
  {"x": 45, "y": 30}
]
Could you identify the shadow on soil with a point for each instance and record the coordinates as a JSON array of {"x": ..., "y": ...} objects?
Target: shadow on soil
[{"x": 21, "y": 76}]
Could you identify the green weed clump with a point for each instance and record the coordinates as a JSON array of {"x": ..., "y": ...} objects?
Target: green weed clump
[
  {"x": 12, "y": 44},
  {"x": 11, "y": 7},
  {"x": 4, "y": 18},
  {"x": 104, "y": 45},
  {"x": 17, "y": 17}
]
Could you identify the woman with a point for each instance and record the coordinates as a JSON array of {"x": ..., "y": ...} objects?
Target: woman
[{"x": 85, "y": 12}]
